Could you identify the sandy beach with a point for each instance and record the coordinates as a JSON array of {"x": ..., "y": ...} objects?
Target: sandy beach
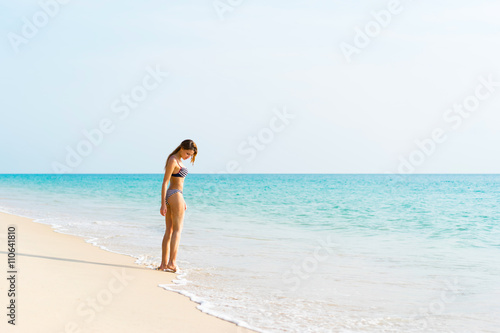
[{"x": 63, "y": 284}]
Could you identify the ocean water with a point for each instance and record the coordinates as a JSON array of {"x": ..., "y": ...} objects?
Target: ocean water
[{"x": 300, "y": 253}]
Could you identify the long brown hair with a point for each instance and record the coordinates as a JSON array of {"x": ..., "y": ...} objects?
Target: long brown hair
[{"x": 187, "y": 145}]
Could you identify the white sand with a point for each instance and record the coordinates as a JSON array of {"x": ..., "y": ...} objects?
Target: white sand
[{"x": 64, "y": 284}]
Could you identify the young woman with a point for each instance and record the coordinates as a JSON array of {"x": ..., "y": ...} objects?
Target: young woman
[{"x": 173, "y": 205}]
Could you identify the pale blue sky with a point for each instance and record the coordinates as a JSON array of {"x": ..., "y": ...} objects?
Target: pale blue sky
[{"x": 227, "y": 79}]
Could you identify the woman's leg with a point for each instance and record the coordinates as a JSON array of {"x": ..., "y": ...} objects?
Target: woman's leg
[
  {"x": 165, "y": 245},
  {"x": 177, "y": 207}
]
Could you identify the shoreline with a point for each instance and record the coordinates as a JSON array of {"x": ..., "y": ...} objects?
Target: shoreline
[{"x": 64, "y": 284}]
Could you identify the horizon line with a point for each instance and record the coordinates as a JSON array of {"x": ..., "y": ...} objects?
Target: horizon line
[{"x": 228, "y": 173}]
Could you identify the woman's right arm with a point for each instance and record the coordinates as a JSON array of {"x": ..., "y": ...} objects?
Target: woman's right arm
[{"x": 166, "y": 178}]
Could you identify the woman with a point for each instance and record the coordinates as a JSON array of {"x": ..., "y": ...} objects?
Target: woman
[{"x": 172, "y": 202}]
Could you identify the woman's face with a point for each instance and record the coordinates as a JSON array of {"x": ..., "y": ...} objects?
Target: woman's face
[{"x": 185, "y": 154}]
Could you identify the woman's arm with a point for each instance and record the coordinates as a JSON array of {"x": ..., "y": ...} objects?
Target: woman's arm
[{"x": 166, "y": 178}]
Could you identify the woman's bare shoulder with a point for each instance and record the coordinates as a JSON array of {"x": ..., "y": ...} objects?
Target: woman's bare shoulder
[{"x": 173, "y": 160}]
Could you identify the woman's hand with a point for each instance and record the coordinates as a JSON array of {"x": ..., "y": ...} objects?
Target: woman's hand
[{"x": 163, "y": 209}]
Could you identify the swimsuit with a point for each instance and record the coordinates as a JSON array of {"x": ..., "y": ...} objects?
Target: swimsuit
[
  {"x": 182, "y": 173},
  {"x": 170, "y": 192}
]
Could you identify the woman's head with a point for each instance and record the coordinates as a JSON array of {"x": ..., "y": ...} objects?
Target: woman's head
[{"x": 186, "y": 149}]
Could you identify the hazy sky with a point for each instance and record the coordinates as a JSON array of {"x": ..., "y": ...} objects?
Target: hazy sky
[{"x": 289, "y": 86}]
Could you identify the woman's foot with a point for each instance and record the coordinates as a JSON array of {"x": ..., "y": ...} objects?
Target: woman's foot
[
  {"x": 167, "y": 268},
  {"x": 172, "y": 268},
  {"x": 162, "y": 267}
]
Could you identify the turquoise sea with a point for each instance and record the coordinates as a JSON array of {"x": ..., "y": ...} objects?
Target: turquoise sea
[{"x": 300, "y": 253}]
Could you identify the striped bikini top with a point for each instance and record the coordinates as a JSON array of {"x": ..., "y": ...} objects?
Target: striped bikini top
[{"x": 182, "y": 173}]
